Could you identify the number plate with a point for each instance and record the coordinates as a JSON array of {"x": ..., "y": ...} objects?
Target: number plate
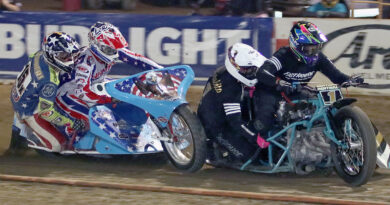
[{"x": 331, "y": 96}]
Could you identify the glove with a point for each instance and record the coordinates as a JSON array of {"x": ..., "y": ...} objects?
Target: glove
[
  {"x": 357, "y": 79},
  {"x": 353, "y": 81},
  {"x": 262, "y": 142},
  {"x": 79, "y": 125},
  {"x": 286, "y": 87}
]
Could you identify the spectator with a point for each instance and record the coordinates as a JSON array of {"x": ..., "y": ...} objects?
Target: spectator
[
  {"x": 238, "y": 7},
  {"x": 327, "y": 8},
  {"x": 9, "y": 5}
]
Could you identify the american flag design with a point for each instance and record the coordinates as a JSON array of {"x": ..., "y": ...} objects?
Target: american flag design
[
  {"x": 168, "y": 81},
  {"x": 117, "y": 128}
]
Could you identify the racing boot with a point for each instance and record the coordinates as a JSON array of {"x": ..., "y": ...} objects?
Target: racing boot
[
  {"x": 217, "y": 156},
  {"x": 18, "y": 144}
]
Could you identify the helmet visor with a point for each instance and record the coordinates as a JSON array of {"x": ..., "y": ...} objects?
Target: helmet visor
[
  {"x": 107, "y": 50},
  {"x": 248, "y": 71},
  {"x": 64, "y": 57},
  {"x": 311, "y": 50}
]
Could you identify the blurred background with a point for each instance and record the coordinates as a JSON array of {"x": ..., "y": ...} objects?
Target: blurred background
[{"x": 290, "y": 8}]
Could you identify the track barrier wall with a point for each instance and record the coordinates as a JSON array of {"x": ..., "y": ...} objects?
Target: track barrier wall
[{"x": 357, "y": 46}]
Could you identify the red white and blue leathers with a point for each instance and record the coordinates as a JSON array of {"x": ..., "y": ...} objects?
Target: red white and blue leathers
[
  {"x": 33, "y": 97},
  {"x": 76, "y": 96}
]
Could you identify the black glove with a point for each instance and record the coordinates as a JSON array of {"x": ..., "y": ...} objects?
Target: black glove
[
  {"x": 286, "y": 87},
  {"x": 356, "y": 79},
  {"x": 79, "y": 125},
  {"x": 353, "y": 81}
]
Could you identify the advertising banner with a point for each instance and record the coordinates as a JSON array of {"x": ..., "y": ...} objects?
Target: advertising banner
[
  {"x": 200, "y": 42},
  {"x": 356, "y": 46}
]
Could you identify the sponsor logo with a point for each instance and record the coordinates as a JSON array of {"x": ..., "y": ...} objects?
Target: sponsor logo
[
  {"x": 217, "y": 85},
  {"x": 165, "y": 45},
  {"x": 46, "y": 114},
  {"x": 49, "y": 90},
  {"x": 100, "y": 73},
  {"x": 82, "y": 69},
  {"x": 15, "y": 95},
  {"x": 299, "y": 76},
  {"x": 363, "y": 48}
]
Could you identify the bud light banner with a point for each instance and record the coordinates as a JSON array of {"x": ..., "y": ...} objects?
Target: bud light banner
[{"x": 200, "y": 42}]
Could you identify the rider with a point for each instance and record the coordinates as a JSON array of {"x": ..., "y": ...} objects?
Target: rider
[
  {"x": 221, "y": 104},
  {"x": 35, "y": 89},
  {"x": 297, "y": 63},
  {"x": 106, "y": 45}
]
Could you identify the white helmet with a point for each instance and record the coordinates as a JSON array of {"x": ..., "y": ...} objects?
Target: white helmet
[{"x": 242, "y": 62}]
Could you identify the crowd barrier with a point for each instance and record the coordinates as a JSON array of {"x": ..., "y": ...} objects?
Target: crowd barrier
[{"x": 169, "y": 40}]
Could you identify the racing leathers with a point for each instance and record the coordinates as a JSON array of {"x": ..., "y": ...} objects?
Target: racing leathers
[
  {"x": 285, "y": 66},
  {"x": 220, "y": 113},
  {"x": 76, "y": 95},
  {"x": 33, "y": 97}
]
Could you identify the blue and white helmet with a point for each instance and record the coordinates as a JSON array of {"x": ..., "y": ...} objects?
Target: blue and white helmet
[{"x": 60, "y": 51}]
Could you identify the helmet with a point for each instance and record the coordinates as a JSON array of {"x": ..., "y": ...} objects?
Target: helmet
[
  {"x": 242, "y": 62},
  {"x": 306, "y": 41},
  {"x": 60, "y": 51},
  {"x": 151, "y": 78},
  {"x": 104, "y": 40},
  {"x": 329, "y": 3}
]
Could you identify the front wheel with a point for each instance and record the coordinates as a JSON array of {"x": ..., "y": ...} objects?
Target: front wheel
[
  {"x": 187, "y": 151},
  {"x": 355, "y": 162}
]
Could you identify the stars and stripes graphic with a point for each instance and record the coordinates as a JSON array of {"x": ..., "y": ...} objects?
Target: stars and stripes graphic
[
  {"x": 169, "y": 80},
  {"x": 124, "y": 133},
  {"x": 232, "y": 108}
]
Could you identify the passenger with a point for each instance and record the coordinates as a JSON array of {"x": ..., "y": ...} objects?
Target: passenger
[
  {"x": 221, "y": 105},
  {"x": 33, "y": 95},
  {"x": 106, "y": 46}
]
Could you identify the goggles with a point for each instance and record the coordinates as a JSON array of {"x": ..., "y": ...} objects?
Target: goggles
[
  {"x": 311, "y": 50},
  {"x": 107, "y": 50}
]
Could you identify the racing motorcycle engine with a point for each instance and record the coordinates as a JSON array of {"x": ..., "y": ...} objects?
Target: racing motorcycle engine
[{"x": 309, "y": 149}]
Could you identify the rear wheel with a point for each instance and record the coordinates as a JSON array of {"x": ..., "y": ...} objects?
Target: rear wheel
[
  {"x": 187, "y": 151},
  {"x": 354, "y": 163}
]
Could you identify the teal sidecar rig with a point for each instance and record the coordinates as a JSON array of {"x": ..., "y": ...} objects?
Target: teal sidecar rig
[{"x": 321, "y": 130}]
